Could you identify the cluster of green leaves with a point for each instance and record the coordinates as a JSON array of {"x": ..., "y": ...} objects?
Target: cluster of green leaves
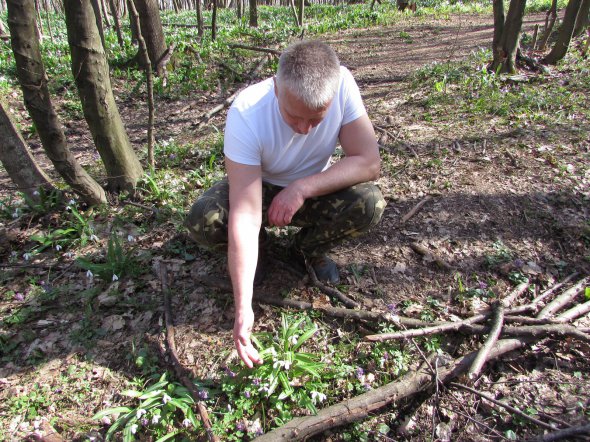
[
  {"x": 118, "y": 261},
  {"x": 288, "y": 381},
  {"x": 161, "y": 411}
]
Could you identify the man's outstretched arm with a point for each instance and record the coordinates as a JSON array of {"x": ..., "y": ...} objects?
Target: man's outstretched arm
[{"x": 245, "y": 219}]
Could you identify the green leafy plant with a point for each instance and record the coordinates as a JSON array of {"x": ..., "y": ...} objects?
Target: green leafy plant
[
  {"x": 157, "y": 409},
  {"x": 288, "y": 380},
  {"x": 118, "y": 262}
]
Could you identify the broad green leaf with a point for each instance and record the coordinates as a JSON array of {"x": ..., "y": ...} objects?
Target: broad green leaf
[{"x": 110, "y": 411}]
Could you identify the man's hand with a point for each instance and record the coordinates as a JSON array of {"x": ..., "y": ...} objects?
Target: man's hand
[
  {"x": 285, "y": 205},
  {"x": 242, "y": 331}
]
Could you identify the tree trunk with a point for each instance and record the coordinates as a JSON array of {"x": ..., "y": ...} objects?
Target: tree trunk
[
  {"x": 31, "y": 75},
  {"x": 253, "y": 14},
  {"x": 550, "y": 19},
  {"x": 565, "y": 33},
  {"x": 214, "y": 21},
  {"x": 99, "y": 24},
  {"x": 499, "y": 19},
  {"x": 115, "y": 15},
  {"x": 91, "y": 72},
  {"x": 105, "y": 13},
  {"x": 301, "y": 12},
  {"x": 200, "y": 25},
  {"x": 239, "y": 9},
  {"x": 509, "y": 40},
  {"x": 152, "y": 30},
  {"x": 583, "y": 20},
  {"x": 17, "y": 160}
]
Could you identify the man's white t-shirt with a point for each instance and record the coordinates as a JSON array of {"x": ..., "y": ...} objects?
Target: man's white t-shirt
[{"x": 256, "y": 134}]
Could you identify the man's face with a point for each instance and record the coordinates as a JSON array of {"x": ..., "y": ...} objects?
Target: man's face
[{"x": 296, "y": 114}]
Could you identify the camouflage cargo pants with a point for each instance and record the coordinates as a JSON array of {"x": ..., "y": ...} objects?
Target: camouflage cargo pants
[{"x": 325, "y": 221}]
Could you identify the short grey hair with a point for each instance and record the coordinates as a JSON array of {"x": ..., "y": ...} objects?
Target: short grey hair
[{"x": 310, "y": 70}]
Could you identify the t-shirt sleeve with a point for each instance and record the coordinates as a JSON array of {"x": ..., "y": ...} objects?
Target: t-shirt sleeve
[
  {"x": 239, "y": 143},
  {"x": 353, "y": 106}
]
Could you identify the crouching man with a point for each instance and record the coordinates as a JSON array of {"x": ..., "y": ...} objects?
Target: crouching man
[{"x": 280, "y": 136}]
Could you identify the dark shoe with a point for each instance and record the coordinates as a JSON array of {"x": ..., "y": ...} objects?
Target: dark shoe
[{"x": 325, "y": 269}]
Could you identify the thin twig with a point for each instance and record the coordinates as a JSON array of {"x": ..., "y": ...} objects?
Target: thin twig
[
  {"x": 255, "y": 48},
  {"x": 503, "y": 405},
  {"x": 532, "y": 331},
  {"x": 563, "y": 434},
  {"x": 575, "y": 312},
  {"x": 415, "y": 209},
  {"x": 547, "y": 293},
  {"x": 334, "y": 293},
  {"x": 179, "y": 369},
  {"x": 431, "y": 256}
]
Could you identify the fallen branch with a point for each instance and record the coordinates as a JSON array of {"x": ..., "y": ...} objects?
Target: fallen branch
[
  {"x": 503, "y": 405},
  {"x": 181, "y": 372},
  {"x": 575, "y": 312},
  {"x": 514, "y": 294},
  {"x": 547, "y": 293},
  {"x": 484, "y": 351},
  {"x": 421, "y": 250},
  {"x": 415, "y": 210},
  {"x": 563, "y": 299},
  {"x": 563, "y": 434},
  {"x": 532, "y": 331},
  {"x": 255, "y": 48},
  {"x": 360, "y": 407},
  {"x": 334, "y": 293}
]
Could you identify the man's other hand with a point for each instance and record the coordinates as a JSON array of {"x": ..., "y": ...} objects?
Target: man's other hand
[
  {"x": 242, "y": 331},
  {"x": 285, "y": 205}
]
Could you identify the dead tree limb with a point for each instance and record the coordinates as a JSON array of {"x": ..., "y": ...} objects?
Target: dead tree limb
[
  {"x": 484, "y": 351},
  {"x": 532, "y": 331},
  {"x": 510, "y": 408},
  {"x": 563, "y": 434},
  {"x": 412, "y": 333},
  {"x": 415, "y": 210},
  {"x": 421, "y": 250},
  {"x": 333, "y": 293},
  {"x": 181, "y": 372},
  {"x": 514, "y": 294},
  {"x": 360, "y": 407},
  {"x": 563, "y": 299},
  {"x": 575, "y": 312},
  {"x": 255, "y": 48},
  {"x": 547, "y": 293}
]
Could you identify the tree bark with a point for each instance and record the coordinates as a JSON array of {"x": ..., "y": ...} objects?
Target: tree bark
[
  {"x": 200, "y": 25},
  {"x": 214, "y": 21},
  {"x": 115, "y": 15},
  {"x": 300, "y": 12},
  {"x": 565, "y": 33},
  {"x": 91, "y": 73},
  {"x": 583, "y": 20},
  {"x": 499, "y": 19},
  {"x": 17, "y": 160},
  {"x": 511, "y": 36},
  {"x": 253, "y": 14},
  {"x": 153, "y": 32},
  {"x": 33, "y": 79}
]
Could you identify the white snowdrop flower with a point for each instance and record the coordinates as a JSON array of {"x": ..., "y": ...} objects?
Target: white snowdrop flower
[
  {"x": 156, "y": 418},
  {"x": 36, "y": 193},
  {"x": 316, "y": 396},
  {"x": 27, "y": 256},
  {"x": 72, "y": 202},
  {"x": 134, "y": 428},
  {"x": 140, "y": 413},
  {"x": 166, "y": 398},
  {"x": 115, "y": 277},
  {"x": 287, "y": 365},
  {"x": 106, "y": 420},
  {"x": 58, "y": 247},
  {"x": 89, "y": 274},
  {"x": 186, "y": 423},
  {"x": 94, "y": 238},
  {"x": 15, "y": 214},
  {"x": 130, "y": 238},
  {"x": 69, "y": 255},
  {"x": 293, "y": 339}
]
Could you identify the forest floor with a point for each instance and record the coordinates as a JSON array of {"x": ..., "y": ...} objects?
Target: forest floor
[{"x": 503, "y": 200}]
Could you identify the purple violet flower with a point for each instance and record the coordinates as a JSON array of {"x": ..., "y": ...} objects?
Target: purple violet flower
[{"x": 359, "y": 372}]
